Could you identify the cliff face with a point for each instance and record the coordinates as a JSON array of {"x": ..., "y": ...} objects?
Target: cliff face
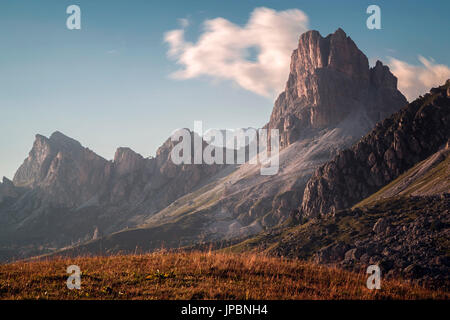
[
  {"x": 8, "y": 189},
  {"x": 329, "y": 79},
  {"x": 65, "y": 172},
  {"x": 395, "y": 145}
]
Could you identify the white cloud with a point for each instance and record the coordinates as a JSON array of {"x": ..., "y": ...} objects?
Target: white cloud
[
  {"x": 224, "y": 50},
  {"x": 415, "y": 80}
]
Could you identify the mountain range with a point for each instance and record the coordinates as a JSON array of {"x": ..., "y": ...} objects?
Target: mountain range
[{"x": 346, "y": 132}]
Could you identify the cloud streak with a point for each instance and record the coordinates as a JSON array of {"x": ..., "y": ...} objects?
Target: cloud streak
[
  {"x": 415, "y": 80},
  {"x": 256, "y": 56}
]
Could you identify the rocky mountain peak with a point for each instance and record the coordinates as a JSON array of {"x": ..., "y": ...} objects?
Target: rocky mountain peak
[
  {"x": 340, "y": 33},
  {"x": 125, "y": 153},
  {"x": 380, "y": 76},
  {"x": 36, "y": 164},
  {"x": 62, "y": 140},
  {"x": 329, "y": 79},
  {"x": 335, "y": 52},
  {"x": 7, "y": 189},
  {"x": 126, "y": 161},
  {"x": 7, "y": 182},
  {"x": 68, "y": 172}
]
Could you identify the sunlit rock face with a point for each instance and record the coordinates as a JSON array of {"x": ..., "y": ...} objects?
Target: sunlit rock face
[
  {"x": 329, "y": 79},
  {"x": 62, "y": 169}
]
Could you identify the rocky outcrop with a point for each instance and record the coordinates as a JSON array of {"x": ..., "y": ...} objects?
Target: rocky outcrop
[
  {"x": 395, "y": 145},
  {"x": 8, "y": 190},
  {"x": 406, "y": 237},
  {"x": 413, "y": 249},
  {"x": 329, "y": 79},
  {"x": 127, "y": 161}
]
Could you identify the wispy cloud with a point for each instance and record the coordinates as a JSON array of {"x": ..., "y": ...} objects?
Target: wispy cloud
[
  {"x": 415, "y": 80},
  {"x": 184, "y": 22},
  {"x": 255, "y": 56}
]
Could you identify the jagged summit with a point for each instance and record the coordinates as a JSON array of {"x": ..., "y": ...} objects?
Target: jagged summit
[
  {"x": 62, "y": 139},
  {"x": 340, "y": 31},
  {"x": 126, "y": 160},
  {"x": 6, "y": 181},
  {"x": 123, "y": 152},
  {"x": 61, "y": 167},
  {"x": 329, "y": 79}
]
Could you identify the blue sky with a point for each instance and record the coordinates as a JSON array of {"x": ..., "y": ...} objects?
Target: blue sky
[{"x": 109, "y": 85}]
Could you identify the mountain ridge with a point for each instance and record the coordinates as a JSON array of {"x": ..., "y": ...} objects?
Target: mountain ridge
[{"x": 393, "y": 146}]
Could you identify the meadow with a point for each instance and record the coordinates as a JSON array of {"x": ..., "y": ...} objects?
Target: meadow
[{"x": 196, "y": 275}]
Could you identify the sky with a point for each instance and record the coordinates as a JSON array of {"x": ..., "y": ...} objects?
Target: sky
[{"x": 138, "y": 70}]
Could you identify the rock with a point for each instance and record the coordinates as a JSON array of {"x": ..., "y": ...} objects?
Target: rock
[
  {"x": 418, "y": 255},
  {"x": 127, "y": 161},
  {"x": 442, "y": 261},
  {"x": 414, "y": 271},
  {"x": 96, "y": 234},
  {"x": 331, "y": 253},
  {"x": 329, "y": 79},
  {"x": 9, "y": 190},
  {"x": 353, "y": 254},
  {"x": 380, "y": 226},
  {"x": 364, "y": 259},
  {"x": 375, "y": 259},
  {"x": 386, "y": 264}
]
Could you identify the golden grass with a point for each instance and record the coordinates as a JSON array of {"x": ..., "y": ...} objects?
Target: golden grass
[{"x": 195, "y": 275}]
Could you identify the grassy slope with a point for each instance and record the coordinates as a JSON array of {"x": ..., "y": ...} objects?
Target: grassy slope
[
  {"x": 195, "y": 275},
  {"x": 438, "y": 175}
]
